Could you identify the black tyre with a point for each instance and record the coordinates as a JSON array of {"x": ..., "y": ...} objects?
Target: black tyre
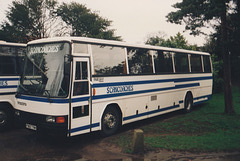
[
  {"x": 110, "y": 121},
  {"x": 188, "y": 103},
  {"x": 6, "y": 118}
]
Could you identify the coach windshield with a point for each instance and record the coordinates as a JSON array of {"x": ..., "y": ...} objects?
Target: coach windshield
[{"x": 46, "y": 70}]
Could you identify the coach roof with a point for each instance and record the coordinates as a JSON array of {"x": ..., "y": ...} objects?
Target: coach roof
[{"x": 111, "y": 42}]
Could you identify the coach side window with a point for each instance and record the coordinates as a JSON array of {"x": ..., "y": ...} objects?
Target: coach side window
[
  {"x": 8, "y": 57},
  {"x": 163, "y": 62},
  {"x": 207, "y": 64},
  {"x": 139, "y": 61},
  {"x": 109, "y": 60},
  {"x": 21, "y": 51},
  {"x": 181, "y": 63},
  {"x": 196, "y": 63}
]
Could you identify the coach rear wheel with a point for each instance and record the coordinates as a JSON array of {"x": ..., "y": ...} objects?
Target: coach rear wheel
[
  {"x": 110, "y": 121},
  {"x": 188, "y": 103}
]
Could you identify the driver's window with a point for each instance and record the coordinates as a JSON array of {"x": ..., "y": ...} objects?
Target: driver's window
[{"x": 81, "y": 84}]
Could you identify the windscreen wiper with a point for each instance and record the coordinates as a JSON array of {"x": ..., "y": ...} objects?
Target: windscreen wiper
[{"x": 48, "y": 95}]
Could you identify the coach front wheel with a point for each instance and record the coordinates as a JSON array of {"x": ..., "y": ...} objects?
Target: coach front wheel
[
  {"x": 5, "y": 118},
  {"x": 110, "y": 121}
]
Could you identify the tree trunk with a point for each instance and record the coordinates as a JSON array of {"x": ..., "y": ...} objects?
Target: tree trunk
[
  {"x": 238, "y": 6},
  {"x": 229, "y": 109}
]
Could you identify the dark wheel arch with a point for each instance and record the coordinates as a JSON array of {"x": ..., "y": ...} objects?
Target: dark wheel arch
[{"x": 6, "y": 116}]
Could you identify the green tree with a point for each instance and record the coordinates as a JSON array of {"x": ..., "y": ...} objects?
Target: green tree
[
  {"x": 28, "y": 20},
  {"x": 83, "y": 22},
  {"x": 177, "y": 41},
  {"x": 198, "y": 14}
]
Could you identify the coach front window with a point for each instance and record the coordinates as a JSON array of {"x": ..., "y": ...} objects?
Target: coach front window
[{"x": 46, "y": 70}]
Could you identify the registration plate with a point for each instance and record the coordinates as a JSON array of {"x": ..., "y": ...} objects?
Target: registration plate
[{"x": 32, "y": 127}]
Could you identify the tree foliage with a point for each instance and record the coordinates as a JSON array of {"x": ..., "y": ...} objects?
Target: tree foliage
[
  {"x": 84, "y": 22},
  {"x": 34, "y": 19},
  {"x": 198, "y": 14},
  {"x": 177, "y": 41},
  {"x": 27, "y": 20}
]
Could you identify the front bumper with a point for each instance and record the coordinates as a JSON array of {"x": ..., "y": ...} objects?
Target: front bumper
[{"x": 37, "y": 122}]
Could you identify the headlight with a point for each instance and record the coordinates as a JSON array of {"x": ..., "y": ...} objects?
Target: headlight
[
  {"x": 50, "y": 119},
  {"x": 17, "y": 113}
]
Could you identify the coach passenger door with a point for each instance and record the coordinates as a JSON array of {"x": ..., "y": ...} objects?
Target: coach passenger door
[{"x": 80, "y": 108}]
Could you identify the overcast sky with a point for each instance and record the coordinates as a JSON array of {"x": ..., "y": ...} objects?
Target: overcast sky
[{"x": 133, "y": 20}]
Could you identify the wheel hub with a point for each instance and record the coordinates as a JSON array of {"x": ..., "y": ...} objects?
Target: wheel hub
[{"x": 110, "y": 120}]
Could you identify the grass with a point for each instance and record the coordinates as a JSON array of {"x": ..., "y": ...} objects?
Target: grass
[{"x": 205, "y": 129}]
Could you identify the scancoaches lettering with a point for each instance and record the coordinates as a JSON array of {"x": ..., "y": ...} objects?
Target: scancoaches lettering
[
  {"x": 119, "y": 89},
  {"x": 44, "y": 49}
]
